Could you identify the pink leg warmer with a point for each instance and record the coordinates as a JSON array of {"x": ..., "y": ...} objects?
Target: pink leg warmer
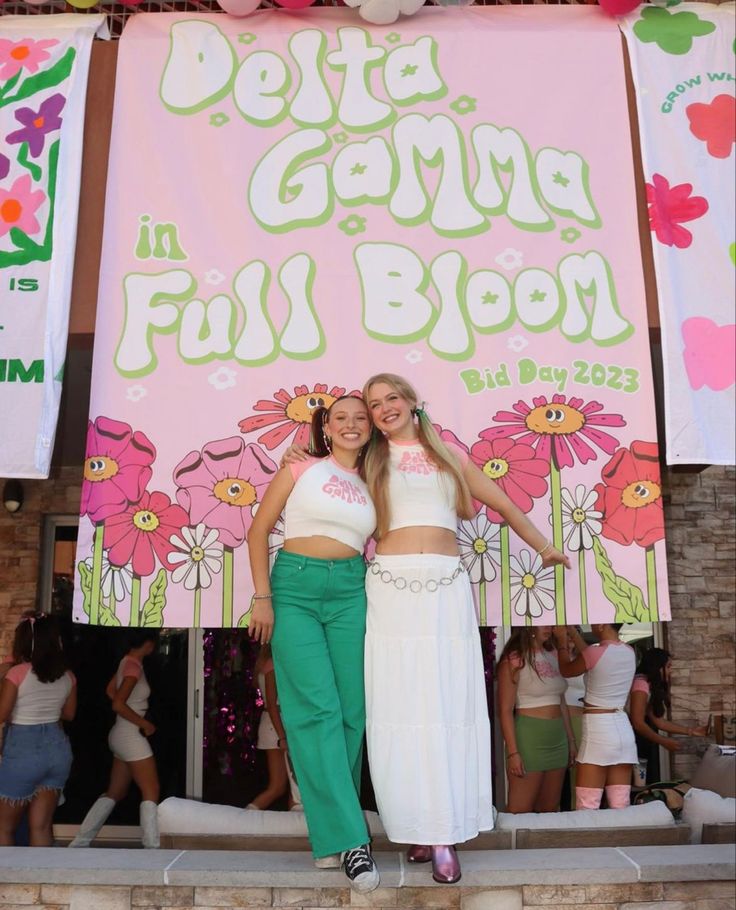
[
  {"x": 588, "y": 797},
  {"x": 618, "y": 796}
]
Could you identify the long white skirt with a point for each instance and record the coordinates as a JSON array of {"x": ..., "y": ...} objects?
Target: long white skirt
[
  {"x": 428, "y": 734},
  {"x": 608, "y": 739}
]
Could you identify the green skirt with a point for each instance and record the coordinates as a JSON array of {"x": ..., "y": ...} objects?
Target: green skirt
[{"x": 542, "y": 742}]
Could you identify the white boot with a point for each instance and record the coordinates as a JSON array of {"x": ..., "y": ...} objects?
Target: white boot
[
  {"x": 93, "y": 821},
  {"x": 149, "y": 824}
]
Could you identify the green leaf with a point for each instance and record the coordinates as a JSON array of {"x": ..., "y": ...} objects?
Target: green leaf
[
  {"x": 152, "y": 614},
  {"x": 11, "y": 83},
  {"x": 626, "y": 597},
  {"x": 35, "y": 170},
  {"x": 85, "y": 583},
  {"x": 44, "y": 79},
  {"x": 244, "y": 620},
  {"x": 107, "y": 616}
]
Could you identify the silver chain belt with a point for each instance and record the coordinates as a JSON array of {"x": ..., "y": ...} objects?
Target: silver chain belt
[{"x": 415, "y": 586}]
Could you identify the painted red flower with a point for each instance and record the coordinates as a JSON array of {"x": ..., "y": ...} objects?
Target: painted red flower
[
  {"x": 117, "y": 468},
  {"x": 630, "y": 496},
  {"x": 558, "y": 428},
  {"x": 142, "y": 532},
  {"x": 288, "y": 414},
  {"x": 222, "y": 485},
  {"x": 714, "y": 124},
  {"x": 515, "y": 467},
  {"x": 668, "y": 207}
]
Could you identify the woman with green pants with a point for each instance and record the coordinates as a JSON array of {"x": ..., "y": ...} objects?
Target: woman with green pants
[{"x": 312, "y": 609}]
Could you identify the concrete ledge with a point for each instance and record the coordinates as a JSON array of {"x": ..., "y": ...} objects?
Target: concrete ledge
[{"x": 257, "y": 869}]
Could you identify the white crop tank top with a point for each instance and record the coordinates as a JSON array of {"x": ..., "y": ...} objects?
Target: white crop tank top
[
  {"x": 541, "y": 684},
  {"x": 611, "y": 667},
  {"x": 329, "y": 500},
  {"x": 419, "y": 493}
]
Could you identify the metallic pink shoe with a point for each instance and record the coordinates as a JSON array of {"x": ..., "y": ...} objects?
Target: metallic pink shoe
[
  {"x": 419, "y": 853},
  {"x": 445, "y": 864}
]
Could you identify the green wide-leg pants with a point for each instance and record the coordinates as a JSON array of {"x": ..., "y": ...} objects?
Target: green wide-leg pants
[{"x": 317, "y": 645}]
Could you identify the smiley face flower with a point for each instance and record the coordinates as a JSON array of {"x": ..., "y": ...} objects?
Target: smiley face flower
[
  {"x": 630, "y": 496},
  {"x": 288, "y": 414},
  {"x": 142, "y": 532}
]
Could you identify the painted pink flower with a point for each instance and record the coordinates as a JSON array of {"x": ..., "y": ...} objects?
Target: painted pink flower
[
  {"x": 288, "y": 414},
  {"x": 449, "y": 436},
  {"x": 26, "y": 54},
  {"x": 515, "y": 467},
  {"x": 117, "y": 468},
  {"x": 222, "y": 485},
  {"x": 558, "y": 428},
  {"x": 142, "y": 532},
  {"x": 668, "y": 207},
  {"x": 714, "y": 124},
  {"x": 630, "y": 496},
  {"x": 18, "y": 207}
]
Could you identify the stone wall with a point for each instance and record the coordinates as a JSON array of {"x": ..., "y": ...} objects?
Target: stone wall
[
  {"x": 717, "y": 895},
  {"x": 700, "y": 512}
]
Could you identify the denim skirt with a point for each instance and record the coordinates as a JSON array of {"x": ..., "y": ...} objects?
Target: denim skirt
[{"x": 35, "y": 757}]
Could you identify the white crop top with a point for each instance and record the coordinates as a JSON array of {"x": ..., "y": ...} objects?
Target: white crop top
[
  {"x": 329, "y": 501},
  {"x": 37, "y": 702},
  {"x": 538, "y": 685},
  {"x": 138, "y": 698},
  {"x": 419, "y": 493},
  {"x": 611, "y": 667}
]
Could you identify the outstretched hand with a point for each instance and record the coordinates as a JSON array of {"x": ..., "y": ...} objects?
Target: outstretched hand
[{"x": 553, "y": 557}]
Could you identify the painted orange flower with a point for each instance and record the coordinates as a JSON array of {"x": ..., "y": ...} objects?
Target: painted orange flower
[{"x": 288, "y": 414}]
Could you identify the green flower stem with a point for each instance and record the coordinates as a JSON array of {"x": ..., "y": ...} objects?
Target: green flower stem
[
  {"x": 197, "y": 607},
  {"x": 528, "y": 620},
  {"x": 583, "y": 588},
  {"x": 112, "y": 603},
  {"x": 135, "y": 602},
  {"x": 652, "y": 584},
  {"x": 505, "y": 577},
  {"x": 555, "y": 484},
  {"x": 227, "y": 588},
  {"x": 94, "y": 604},
  {"x": 482, "y": 602}
]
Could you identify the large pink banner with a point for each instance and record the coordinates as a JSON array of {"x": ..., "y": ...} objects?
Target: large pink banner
[{"x": 296, "y": 201}]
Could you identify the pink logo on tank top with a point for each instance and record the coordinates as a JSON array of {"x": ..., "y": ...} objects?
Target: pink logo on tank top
[
  {"x": 545, "y": 668},
  {"x": 339, "y": 488},
  {"x": 416, "y": 463}
]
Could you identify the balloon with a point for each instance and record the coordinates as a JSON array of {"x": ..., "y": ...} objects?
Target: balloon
[
  {"x": 239, "y": 7},
  {"x": 83, "y": 4},
  {"x": 295, "y": 4},
  {"x": 618, "y": 7},
  {"x": 453, "y": 2}
]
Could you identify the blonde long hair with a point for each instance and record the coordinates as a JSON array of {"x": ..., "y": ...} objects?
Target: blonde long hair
[{"x": 377, "y": 456}]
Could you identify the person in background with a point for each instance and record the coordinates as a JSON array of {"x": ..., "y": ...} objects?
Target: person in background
[
  {"x": 317, "y": 586},
  {"x": 608, "y": 748},
  {"x": 36, "y": 695},
  {"x": 271, "y": 734},
  {"x": 534, "y": 720},
  {"x": 574, "y": 699},
  {"x": 133, "y": 758},
  {"x": 649, "y": 702}
]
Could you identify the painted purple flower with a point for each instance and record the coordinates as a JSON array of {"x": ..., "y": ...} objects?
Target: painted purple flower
[
  {"x": 4, "y": 167},
  {"x": 37, "y": 124},
  {"x": 222, "y": 486},
  {"x": 117, "y": 468}
]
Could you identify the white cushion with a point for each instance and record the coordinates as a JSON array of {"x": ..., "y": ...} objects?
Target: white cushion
[
  {"x": 648, "y": 815},
  {"x": 187, "y": 816},
  {"x": 706, "y": 807}
]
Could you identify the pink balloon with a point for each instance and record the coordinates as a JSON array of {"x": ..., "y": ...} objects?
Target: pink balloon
[
  {"x": 295, "y": 4},
  {"x": 239, "y": 7},
  {"x": 618, "y": 7}
]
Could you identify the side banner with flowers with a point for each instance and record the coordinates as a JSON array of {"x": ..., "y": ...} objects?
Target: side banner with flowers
[
  {"x": 682, "y": 60},
  {"x": 315, "y": 200},
  {"x": 43, "y": 84}
]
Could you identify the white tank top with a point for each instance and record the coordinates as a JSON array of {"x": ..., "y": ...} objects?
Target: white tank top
[
  {"x": 138, "y": 698},
  {"x": 611, "y": 667},
  {"x": 37, "y": 702},
  {"x": 329, "y": 500},
  {"x": 419, "y": 493},
  {"x": 539, "y": 685}
]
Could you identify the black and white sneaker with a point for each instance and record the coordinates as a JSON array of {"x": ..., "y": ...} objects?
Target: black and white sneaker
[{"x": 361, "y": 870}]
